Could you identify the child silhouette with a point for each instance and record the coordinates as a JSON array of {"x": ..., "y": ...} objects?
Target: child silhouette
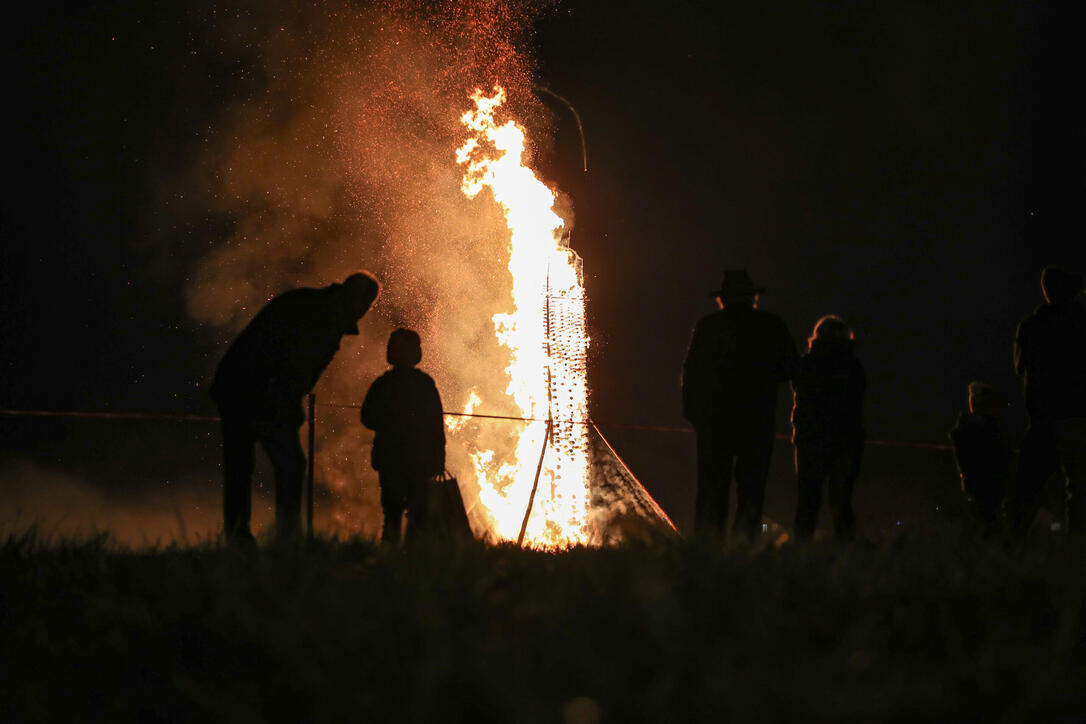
[
  {"x": 982, "y": 455},
  {"x": 403, "y": 408}
]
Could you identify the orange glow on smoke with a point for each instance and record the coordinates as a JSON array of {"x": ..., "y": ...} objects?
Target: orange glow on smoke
[{"x": 545, "y": 336}]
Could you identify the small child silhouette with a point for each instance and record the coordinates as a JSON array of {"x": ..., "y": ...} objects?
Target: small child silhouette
[
  {"x": 982, "y": 455},
  {"x": 403, "y": 408}
]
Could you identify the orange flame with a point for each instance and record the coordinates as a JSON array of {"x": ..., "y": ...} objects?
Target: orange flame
[{"x": 545, "y": 336}]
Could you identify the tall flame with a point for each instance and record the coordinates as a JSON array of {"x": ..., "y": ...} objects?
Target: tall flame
[{"x": 545, "y": 336}]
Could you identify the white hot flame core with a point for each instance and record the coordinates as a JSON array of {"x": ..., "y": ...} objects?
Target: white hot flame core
[{"x": 545, "y": 336}]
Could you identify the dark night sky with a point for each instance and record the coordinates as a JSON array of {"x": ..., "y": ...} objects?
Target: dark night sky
[{"x": 909, "y": 166}]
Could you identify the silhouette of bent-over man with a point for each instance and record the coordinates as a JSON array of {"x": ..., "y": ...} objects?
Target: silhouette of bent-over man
[
  {"x": 1050, "y": 357},
  {"x": 738, "y": 357},
  {"x": 261, "y": 381}
]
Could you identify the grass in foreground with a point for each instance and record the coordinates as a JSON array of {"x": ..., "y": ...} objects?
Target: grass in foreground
[{"x": 945, "y": 627}]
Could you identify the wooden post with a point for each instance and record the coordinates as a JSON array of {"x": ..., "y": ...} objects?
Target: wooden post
[
  {"x": 311, "y": 462},
  {"x": 535, "y": 484},
  {"x": 550, "y": 410}
]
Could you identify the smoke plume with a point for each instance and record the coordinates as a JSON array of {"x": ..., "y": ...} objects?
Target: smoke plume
[{"x": 341, "y": 157}]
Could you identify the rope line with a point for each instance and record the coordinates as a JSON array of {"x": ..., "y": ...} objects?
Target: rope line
[
  {"x": 111, "y": 415},
  {"x": 180, "y": 417}
]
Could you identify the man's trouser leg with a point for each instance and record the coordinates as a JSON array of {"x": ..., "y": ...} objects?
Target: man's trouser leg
[
  {"x": 751, "y": 474},
  {"x": 284, "y": 450},
  {"x": 238, "y": 443},
  {"x": 811, "y": 472},
  {"x": 1038, "y": 460},
  {"x": 1070, "y": 437},
  {"x": 715, "y": 462},
  {"x": 844, "y": 469}
]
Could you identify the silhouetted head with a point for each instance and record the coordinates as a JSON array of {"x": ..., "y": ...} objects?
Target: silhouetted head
[
  {"x": 1060, "y": 286},
  {"x": 404, "y": 348},
  {"x": 831, "y": 330},
  {"x": 362, "y": 289},
  {"x": 737, "y": 290},
  {"x": 983, "y": 399}
]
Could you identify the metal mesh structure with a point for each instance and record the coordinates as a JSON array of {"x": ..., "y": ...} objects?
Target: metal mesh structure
[
  {"x": 620, "y": 507},
  {"x": 567, "y": 375}
]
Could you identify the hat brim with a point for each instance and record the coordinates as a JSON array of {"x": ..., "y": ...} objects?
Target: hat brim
[{"x": 745, "y": 293}]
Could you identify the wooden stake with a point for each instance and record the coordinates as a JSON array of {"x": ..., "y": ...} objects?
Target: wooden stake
[
  {"x": 311, "y": 463},
  {"x": 535, "y": 484}
]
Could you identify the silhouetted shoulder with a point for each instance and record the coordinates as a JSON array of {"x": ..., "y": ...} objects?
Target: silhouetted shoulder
[
  {"x": 295, "y": 295},
  {"x": 757, "y": 318},
  {"x": 769, "y": 319},
  {"x": 384, "y": 379},
  {"x": 422, "y": 377},
  {"x": 766, "y": 314},
  {"x": 285, "y": 304},
  {"x": 710, "y": 320}
]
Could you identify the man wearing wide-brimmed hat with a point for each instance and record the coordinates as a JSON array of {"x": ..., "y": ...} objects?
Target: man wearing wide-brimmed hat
[{"x": 738, "y": 357}]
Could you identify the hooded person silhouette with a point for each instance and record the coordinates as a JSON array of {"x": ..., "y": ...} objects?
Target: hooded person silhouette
[
  {"x": 827, "y": 427},
  {"x": 403, "y": 409}
]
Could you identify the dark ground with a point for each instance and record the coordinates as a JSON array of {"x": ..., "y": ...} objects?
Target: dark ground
[{"x": 944, "y": 627}]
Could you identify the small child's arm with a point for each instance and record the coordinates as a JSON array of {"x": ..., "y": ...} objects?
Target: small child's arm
[
  {"x": 371, "y": 406},
  {"x": 438, "y": 422}
]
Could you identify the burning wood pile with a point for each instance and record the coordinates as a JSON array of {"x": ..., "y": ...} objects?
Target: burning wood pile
[{"x": 563, "y": 484}]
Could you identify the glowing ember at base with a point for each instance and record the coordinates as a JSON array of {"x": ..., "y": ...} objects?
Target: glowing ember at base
[{"x": 545, "y": 336}]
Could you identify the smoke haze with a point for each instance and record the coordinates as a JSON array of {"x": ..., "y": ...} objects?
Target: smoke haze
[
  {"x": 342, "y": 157},
  {"x": 60, "y": 505}
]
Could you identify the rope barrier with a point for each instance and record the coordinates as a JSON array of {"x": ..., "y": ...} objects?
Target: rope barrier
[
  {"x": 902, "y": 443},
  {"x": 177, "y": 417},
  {"x": 111, "y": 415}
]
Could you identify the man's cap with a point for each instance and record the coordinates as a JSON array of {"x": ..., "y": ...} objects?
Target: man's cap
[
  {"x": 736, "y": 283},
  {"x": 362, "y": 283},
  {"x": 360, "y": 289}
]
